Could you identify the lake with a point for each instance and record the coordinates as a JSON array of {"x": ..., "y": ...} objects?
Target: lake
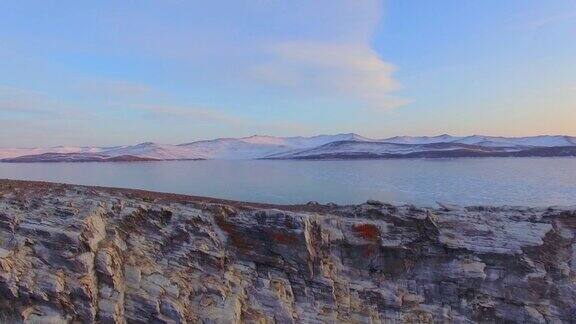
[{"x": 474, "y": 181}]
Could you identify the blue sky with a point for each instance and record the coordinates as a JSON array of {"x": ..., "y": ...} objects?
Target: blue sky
[{"x": 122, "y": 72}]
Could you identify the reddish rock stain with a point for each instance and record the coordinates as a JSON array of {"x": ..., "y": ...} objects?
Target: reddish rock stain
[{"x": 367, "y": 231}]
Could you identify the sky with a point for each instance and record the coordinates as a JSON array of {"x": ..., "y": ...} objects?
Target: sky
[{"x": 173, "y": 71}]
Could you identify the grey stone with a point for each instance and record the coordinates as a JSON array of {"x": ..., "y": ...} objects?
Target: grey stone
[{"x": 81, "y": 254}]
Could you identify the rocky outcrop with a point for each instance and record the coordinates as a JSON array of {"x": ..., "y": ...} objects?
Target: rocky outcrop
[{"x": 82, "y": 254}]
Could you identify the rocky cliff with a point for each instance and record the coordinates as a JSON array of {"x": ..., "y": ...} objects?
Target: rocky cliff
[{"x": 82, "y": 254}]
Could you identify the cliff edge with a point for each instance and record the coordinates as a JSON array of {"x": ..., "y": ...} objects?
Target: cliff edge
[{"x": 85, "y": 254}]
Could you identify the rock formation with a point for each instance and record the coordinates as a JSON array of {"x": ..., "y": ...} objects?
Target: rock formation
[{"x": 84, "y": 254}]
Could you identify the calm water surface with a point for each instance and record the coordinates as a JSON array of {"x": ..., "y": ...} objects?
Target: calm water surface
[{"x": 493, "y": 181}]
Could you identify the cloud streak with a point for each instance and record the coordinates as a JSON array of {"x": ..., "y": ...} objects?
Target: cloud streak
[
  {"x": 115, "y": 88},
  {"x": 195, "y": 116},
  {"x": 341, "y": 70},
  {"x": 19, "y": 101},
  {"x": 552, "y": 19},
  {"x": 25, "y": 101},
  {"x": 257, "y": 67},
  {"x": 188, "y": 113}
]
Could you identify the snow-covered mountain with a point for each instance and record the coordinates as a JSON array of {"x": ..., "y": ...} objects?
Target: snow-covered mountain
[
  {"x": 153, "y": 151},
  {"x": 322, "y": 146},
  {"x": 488, "y": 141},
  {"x": 354, "y": 149},
  {"x": 534, "y": 141},
  {"x": 439, "y": 146},
  {"x": 259, "y": 146},
  {"x": 7, "y": 153},
  {"x": 421, "y": 139}
]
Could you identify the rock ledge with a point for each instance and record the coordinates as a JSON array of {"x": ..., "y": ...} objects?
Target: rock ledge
[{"x": 85, "y": 254}]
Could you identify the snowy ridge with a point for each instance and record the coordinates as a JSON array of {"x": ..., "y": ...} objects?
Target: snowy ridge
[
  {"x": 321, "y": 146},
  {"x": 421, "y": 139},
  {"x": 354, "y": 149},
  {"x": 489, "y": 141},
  {"x": 6, "y": 153}
]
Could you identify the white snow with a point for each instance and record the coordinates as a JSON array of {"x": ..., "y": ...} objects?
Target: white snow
[
  {"x": 421, "y": 139},
  {"x": 377, "y": 148},
  {"x": 260, "y": 146},
  {"x": 6, "y": 153},
  {"x": 534, "y": 141},
  {"x": 488, "y": 141}
]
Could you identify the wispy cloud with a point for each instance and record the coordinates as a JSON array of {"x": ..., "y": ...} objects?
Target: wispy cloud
[
  {"x": 552, "y": 19},
  {"x": 25, "y": 101},
  {"x": 189, "y": 113},
  {"x": 115, "y": 88},
  {"x": 342, "y": 70},
  {"x": 191, "y": 116},
  {"x": 341, "y": 65},
  {"x": 260, "y": 64},
  {"x": 19, "y": 100}
]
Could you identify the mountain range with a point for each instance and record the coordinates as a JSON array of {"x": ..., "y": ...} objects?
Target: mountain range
[{"x": 340, "y": 146}]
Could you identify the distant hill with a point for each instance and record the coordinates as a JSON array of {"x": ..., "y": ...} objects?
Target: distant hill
[{"x": 340, "y": 146}]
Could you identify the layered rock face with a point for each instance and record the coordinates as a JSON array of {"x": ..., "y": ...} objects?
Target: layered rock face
[{"x": 81, "y": 254}]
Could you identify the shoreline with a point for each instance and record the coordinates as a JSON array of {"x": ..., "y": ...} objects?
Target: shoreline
[
  {"x": 26, "y": 160},
  {"x": 310, "y": 206}
]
